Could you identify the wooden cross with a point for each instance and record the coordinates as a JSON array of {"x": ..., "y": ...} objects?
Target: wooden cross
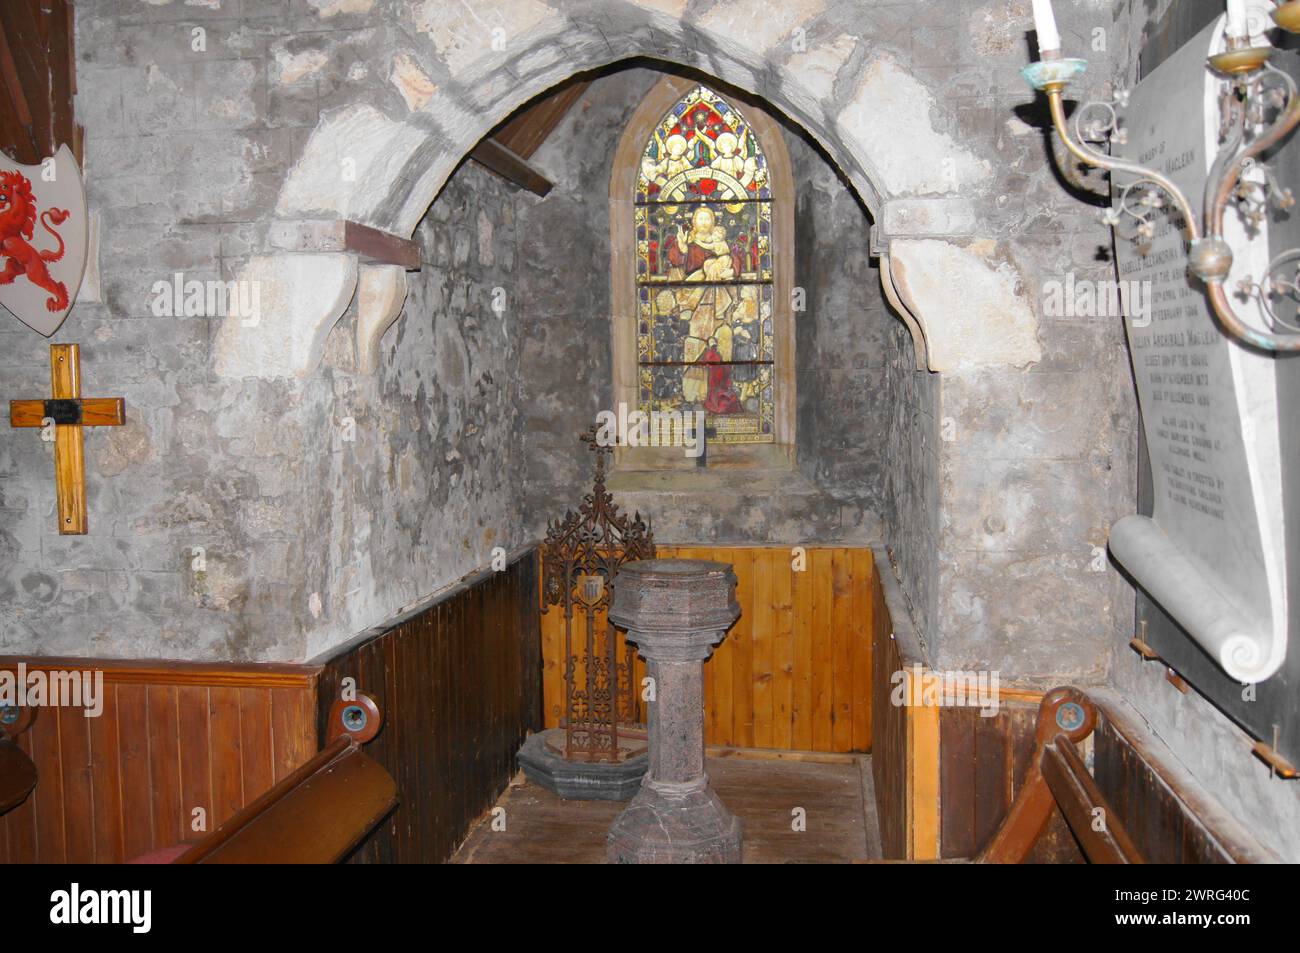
[{"x": 68, "y": 412}]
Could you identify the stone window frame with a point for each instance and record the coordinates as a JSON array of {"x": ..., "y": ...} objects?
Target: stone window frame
[{"x": 626, "y": 166}]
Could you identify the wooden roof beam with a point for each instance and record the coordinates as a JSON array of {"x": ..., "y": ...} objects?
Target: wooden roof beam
[
  {"x": 507, "y": 151},
  {"x": 510, "y": 166},
  {"x": 524, "y": 133}
]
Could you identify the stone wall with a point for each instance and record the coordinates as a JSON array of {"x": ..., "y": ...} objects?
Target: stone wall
[
  {"x": 843, "y": 341},
  {"x": 1033, "y": 455},
  {"x": 430, "y": 482},
  {"x": 196, "y": 540},
  {"x": 912, "y": 478},
  {"x": 259, "y": 519},
  {"x": 564, "y": 295},
  {"x": 307, "y": 108}
]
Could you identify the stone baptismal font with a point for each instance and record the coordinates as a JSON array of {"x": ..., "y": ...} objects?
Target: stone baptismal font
[{"x": 676, "y": 611}]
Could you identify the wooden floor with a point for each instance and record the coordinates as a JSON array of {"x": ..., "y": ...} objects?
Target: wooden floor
[{"x": 834, "y": 790}]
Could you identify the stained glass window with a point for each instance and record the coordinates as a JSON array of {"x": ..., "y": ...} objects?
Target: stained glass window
[{"x": 704, "y": 271}]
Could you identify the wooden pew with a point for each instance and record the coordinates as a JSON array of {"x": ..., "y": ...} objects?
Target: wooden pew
[
  {"x": 1058, "y": 777},
  {"x": 315, "y": 815}
]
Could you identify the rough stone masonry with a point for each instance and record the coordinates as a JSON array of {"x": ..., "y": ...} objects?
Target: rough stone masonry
[
  {"x": 270, "y": 497},
  {"x": 282, "y": 485},
  {"x": 316, "y": 497}
]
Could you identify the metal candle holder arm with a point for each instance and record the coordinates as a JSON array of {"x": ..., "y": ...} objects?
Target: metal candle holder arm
[{"x": 1210, "y": 255}]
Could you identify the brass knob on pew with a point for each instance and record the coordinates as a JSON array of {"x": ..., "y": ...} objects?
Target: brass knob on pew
[
  {"x": 360, "y": 718},
  {"x": 1066, "y": 711},
  {"x": 16, "y": 719}
]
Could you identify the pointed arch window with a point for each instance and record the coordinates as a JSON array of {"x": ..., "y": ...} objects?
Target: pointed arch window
[{"x": 705, "y": 219}]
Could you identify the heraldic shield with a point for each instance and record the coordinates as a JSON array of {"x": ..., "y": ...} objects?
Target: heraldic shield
[{"x": 43, "y": 238}]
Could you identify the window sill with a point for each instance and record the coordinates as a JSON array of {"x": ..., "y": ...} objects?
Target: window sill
[
  {"x": 744, "y": 482},
  {"x": 749, "y": 457}
]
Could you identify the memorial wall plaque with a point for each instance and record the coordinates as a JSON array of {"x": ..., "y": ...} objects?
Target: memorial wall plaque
[{"x": 1212, "y": 553}]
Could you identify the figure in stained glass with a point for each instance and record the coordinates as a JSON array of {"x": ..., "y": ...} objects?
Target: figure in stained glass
[
  {"x": 703, "y": 253},
  {"x": 730, "y": 160}
]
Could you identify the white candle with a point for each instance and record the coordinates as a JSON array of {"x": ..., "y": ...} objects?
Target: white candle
[
  {"x": 1045, "y": 24},
  {"x": 1237, "y": 18}
]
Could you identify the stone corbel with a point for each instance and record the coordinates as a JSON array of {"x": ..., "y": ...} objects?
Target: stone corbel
[
  {"x": 904, "y": 312},
  {"x": 917, "y": 218},
  {"x": 381, "y": 292},
  {"x": 297, "y": 298},
  {"x": 968, "y": 306}
]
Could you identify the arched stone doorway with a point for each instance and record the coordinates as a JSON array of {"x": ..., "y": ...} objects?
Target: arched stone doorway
[
  {"x": 440, "y": 78},
  {"x": 1018, "y": 469}
]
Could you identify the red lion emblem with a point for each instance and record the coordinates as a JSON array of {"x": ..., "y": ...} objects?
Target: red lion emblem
[{"x": 17, "y": 225}]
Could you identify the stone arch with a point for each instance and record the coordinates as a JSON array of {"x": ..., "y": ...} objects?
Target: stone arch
[{"x": 444, "y": 74}]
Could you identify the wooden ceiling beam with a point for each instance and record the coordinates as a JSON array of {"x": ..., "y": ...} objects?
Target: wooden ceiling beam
[
  {"x": 16, "y": 121},
  {"x": 507, "y": 150},
  {"x": 21, "y": 25},
  {"x": 524, "y": 133},
  {"x": 37, "y": 80},
  {"x": 513, "y": 168}
]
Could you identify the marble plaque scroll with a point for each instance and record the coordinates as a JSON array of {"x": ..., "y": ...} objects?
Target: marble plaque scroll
[{"x": 1212, "y": 552}]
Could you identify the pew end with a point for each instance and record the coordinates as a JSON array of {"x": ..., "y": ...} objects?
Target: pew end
[
  {"x": 317, "y": 814},
  {"x": 17, "y": 770},
  {"x": 1059, "y": 778}
]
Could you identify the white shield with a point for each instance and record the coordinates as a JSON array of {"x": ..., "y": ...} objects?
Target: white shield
[{"x": 43, "y": 229}]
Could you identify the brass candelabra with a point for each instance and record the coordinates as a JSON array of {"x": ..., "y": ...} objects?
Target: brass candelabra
[{"x": 1259, "y": 109}]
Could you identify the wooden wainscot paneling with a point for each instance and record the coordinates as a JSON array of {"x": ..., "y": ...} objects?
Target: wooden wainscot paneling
[
  {"x": 905, "y": 736},
  {"x": 794, "y": 672},
  {"x": 170, "y": 738},
  {"x": 946, "y": 764},
  {"x": 1170, "y": 816},
  {"x": 457, "y": 680}
]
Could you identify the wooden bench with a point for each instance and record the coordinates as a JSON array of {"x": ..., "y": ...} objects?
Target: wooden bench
[
  {"x": 315, "y": 815},
  {"x": 1058, "y": 777},
  {"x": 1170, "y": 818}
]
